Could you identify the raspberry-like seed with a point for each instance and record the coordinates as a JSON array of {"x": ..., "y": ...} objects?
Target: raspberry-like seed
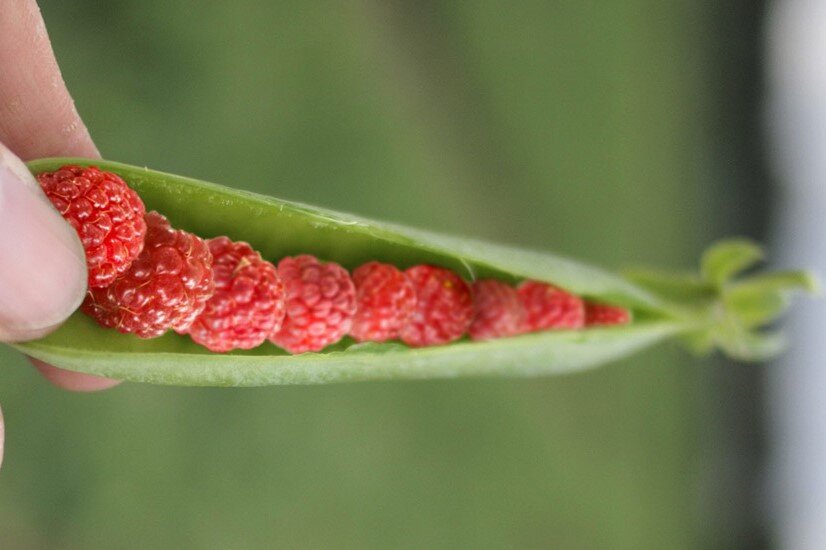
[
  {"x": 248, "y": 303},
  {"x": 166, "y": 287},
  {"x": 384, "y": 302},
  {"x": 105, "y": 212},
  {"x": 321, "y": 303},
  {"x": 444, "y": 307},
  {"x": 603, "y": 314},
  {"x": 549, "y": 307},
  {"x": 498, "y": 312}
]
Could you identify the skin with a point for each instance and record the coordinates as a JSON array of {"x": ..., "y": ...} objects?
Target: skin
[{"x": 38, "y": 119}]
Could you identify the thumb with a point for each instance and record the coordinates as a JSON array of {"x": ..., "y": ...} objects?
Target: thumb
[{"x": 42, "y": 263}]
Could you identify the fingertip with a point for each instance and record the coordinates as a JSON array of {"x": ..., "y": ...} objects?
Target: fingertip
[
  {"x": 43, "y": 279},
  {"x": 38, "y": 114},
  {"x": 73, "y": 381}
]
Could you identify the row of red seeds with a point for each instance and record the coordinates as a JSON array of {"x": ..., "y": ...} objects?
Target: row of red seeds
[{"x": 146, "y": 277}]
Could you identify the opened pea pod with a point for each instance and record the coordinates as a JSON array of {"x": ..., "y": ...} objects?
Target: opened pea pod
[{"x": 256, "y": 291}]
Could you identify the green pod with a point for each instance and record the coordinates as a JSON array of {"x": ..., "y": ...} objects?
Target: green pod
[{"x": 280, "y": 228}]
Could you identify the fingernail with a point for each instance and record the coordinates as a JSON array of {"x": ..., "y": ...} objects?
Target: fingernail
[{"x": 42, "y": 264}]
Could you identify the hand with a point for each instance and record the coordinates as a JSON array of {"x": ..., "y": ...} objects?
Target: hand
[{"x": 42, "y": 264}]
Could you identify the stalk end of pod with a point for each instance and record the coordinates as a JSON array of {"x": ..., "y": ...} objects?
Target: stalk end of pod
[{"x": 725, "y": 309}]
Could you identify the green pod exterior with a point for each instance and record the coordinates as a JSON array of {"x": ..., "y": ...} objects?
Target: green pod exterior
[{"x": 280, "y": 228}]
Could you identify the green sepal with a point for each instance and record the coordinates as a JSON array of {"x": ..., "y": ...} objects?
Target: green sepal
[
  {"x": 727, "y": 258},
  {"x": 761, "y": 299},
  {"x": 724, "y": 311}
]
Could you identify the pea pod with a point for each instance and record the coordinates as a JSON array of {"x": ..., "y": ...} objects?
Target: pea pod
[{"x": 696, "y": 308}]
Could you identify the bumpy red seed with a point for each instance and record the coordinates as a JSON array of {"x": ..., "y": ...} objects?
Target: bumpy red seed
[
  {"x": 444, "y": 307},
  {"x": 321, "y": 303},
  {"x": 549, "y": 307},
  {"x": 166, "y": 287},
  {"x": 249, "y": 301},
  {"x": 107, "y": 215},
  {"x": 384, "y": 302},
  {"x": 498, "y": 312},
  {"x": 604, "y": 314}
]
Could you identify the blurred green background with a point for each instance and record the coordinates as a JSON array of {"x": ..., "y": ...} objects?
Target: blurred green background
[{"x": 608, "y": 131}]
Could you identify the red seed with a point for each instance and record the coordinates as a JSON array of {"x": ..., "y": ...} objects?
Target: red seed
[
  {"x": 604, "y": 314},
  {"x": 498, "y": 312},
  {"x": 321, "y": 303},
  {"x": 107, "y": 215},
  {"x": 549, "y": 307},
  {"x": 444, "y": 307},
  {"x": 249, "y": 300},
  {"x": 166, "y": 287},
  {"x": 385, "y": 299}
]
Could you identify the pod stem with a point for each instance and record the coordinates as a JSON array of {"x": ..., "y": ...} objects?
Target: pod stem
[{"x": 723, "y": 308}]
